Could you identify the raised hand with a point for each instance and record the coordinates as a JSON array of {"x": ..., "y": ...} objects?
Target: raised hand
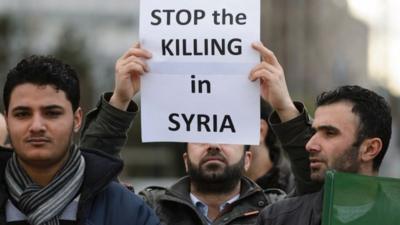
[
  {"x": 273, "y": 85},
  {"x": 128, "y": 70}
]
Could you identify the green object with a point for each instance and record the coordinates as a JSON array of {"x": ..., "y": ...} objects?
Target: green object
[{"x": 354, "y": 199}]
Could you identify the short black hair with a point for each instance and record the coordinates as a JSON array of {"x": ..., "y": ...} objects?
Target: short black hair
[
  {"x": 372, "y": 109},
  {"x": 43, "y": 70}
]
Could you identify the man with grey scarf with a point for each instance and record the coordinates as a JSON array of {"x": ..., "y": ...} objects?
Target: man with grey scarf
[{"x": 46, "y": 179}]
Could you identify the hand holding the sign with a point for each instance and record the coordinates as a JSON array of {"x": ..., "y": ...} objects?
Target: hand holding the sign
[
  {"x": 128, "y": 69},
  {"x": 273, "y": 85}
]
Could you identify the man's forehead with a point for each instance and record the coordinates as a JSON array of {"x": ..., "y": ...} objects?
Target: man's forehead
[
  {"x": 43, "y": 96},
  {"x": 335, "y": 115}
]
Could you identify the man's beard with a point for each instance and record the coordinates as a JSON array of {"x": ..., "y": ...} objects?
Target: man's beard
[
  {"x": 215, "y": 182},
  {"x": 348, "y": 162}
]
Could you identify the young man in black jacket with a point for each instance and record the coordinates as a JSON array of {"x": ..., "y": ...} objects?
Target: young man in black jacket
[{"x": 45, "y": 178}]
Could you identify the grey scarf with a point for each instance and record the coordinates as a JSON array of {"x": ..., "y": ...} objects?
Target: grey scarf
[{"x": 44, "y": 205}]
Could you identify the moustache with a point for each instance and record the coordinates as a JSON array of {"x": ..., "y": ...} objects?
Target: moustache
[
  {"x": 37, "y": 139},
  {"x": 213, "y": 155}
]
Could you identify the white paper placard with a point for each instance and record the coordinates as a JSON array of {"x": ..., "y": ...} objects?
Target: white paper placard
[{"x": 198, "y": 89}]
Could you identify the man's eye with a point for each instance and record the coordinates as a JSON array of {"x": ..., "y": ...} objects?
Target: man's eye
[
  {"x": 53, "y": 113},
  {"x": 330, "y": 133},
  {"x": 21, "y": 114}
]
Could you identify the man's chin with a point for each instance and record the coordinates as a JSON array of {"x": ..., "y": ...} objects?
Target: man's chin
[
  {"x": 215, "y": 183},
  {"x": 317, "y": 176},
  {"x": 213, "y": 168},
  {"x": 212, "y": 175},
  {"x": 40, "y": 161}
]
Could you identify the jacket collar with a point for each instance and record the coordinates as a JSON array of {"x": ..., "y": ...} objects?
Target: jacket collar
[
  {"x": 181, "y": 189},
  {"x": 101, "y": 168}
]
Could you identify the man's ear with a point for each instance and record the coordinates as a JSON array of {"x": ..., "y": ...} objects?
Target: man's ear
[
  {"x": 78, "y": 116},
  {"x": 370, "y": 148},
  {"x": 248, "y": 155},
  {"x": 185, "y": 160},
  {"x": 264, "y": 128}
]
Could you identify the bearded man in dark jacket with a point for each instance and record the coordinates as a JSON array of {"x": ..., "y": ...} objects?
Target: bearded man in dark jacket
[
  {"x": 350, "y": 133},
  {"x": 215, "y": 191}
]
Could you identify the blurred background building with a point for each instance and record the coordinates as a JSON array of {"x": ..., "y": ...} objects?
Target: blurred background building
[{"x": 320, "y": 43}]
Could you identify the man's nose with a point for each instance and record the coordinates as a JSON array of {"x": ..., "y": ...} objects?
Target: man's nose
[
  {"x": 214, "y": 147},
  {"x": 313, "y": 144},
  {"x": 38, "y": 124}
]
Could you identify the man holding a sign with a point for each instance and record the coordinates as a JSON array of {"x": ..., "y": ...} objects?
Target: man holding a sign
[
  {"x": 191, "y": 53},
  {"x": 350, "y": 133},
  {"x": 215, "y": 191}
]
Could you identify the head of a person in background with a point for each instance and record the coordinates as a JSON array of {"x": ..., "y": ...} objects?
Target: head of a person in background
[
  {"x": 266, "y": 167},
  {"x": 4, "y": 139},
  {"x": 41, "y": 100},
  {"x": 351, "y": 132},
  {"x": 216, "y": 168}
]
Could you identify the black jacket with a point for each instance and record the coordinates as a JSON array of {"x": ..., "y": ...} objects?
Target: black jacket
[
  {"x": 174, "y": 206},
  {"x": 302, "y": 210},
  {"x": 293, "y": 136}
]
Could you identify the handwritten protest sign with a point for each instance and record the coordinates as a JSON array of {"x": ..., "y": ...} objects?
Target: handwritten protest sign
[{"x": 198, "y": 89}]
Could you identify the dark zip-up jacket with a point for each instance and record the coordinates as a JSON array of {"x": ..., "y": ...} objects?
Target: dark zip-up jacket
[
  {"x": 305, "y": 209},
  {"x": 293, "y": 136},
  {"x": 302, "y": 210},
  {"x": 174, "y": 206}
]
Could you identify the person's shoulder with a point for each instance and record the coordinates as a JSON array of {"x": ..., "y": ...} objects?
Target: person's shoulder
[
  {"x": 288, "y": 206},
  {"x": 117, "y": 190},
  {"x": 155, "y": 189},
  {"x": 121, "y": 197},
  {"x": 122, "y": 206},
  {"x": 286, "y": 211},
  {"x": 152, "y": 194},
  {"x": 274, "y": 195},
  {"x": 100, "y": 161},
  {"x": 284, "y": 206}
]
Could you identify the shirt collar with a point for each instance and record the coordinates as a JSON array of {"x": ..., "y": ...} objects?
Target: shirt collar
[{"x": 203, "y": 208}]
